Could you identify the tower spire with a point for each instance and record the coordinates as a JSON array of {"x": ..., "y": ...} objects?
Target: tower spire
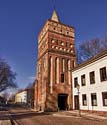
[{"x": 55, "y": 16}]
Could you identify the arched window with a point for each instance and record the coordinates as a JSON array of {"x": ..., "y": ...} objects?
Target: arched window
[
  {"x": 69, "y": 72},
  {"x": 63, "y": 70},
  {"x": 51, "y": 73},
  {"x": 63, "y": 65},
  {"x": 69, "y": 65},
  {"x": 56, "y": 70}
]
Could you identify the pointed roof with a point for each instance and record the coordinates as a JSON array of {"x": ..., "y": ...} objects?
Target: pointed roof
[{"x": 55, "y": 16}]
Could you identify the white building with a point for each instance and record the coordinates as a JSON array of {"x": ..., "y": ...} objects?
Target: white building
[
  {"x": 21, "y": 97},
  {"x": 92, "y": 78}
]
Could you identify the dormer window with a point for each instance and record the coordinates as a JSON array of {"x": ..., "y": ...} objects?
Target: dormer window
[
  {"x": 71, "y": 51},
  {"x": 56, "y": 47},
  {"x": 68, "y": 50},
  {"x": 67, "y": 32},
  {"x": 54, "y": 28},
  {"x": 52, "y": 47},
  {"x": 62, "y": 43},
  {"x": 71, "y": 45},
  {"x": 60, "y": 48},
  {"x": 53, "y": 41},
  {"x": 64, "y": 49}
]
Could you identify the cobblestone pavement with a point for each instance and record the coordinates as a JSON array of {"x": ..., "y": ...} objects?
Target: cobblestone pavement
[
  {"x": 21, "y": 116},
  {"x": 58, "y": 120}
]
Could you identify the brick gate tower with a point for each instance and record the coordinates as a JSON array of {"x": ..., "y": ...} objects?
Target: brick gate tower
[{"x": 56, "y": 58}]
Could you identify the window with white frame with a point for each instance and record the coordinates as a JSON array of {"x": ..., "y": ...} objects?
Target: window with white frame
[
  {"x": 84, "y": 99},
  {"x": 104, "y": 98},
  {"x": 92, "y": 77},
  {"x": 93, "y": 99},
  {"x": 103, "y": 75},
  {"x": 83, "y": 81},
  {"x": 75, "y": 82}
]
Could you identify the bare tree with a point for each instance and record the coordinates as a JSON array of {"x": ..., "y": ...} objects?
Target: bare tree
[
  {"x": 5, "y": 95},
  {"x": 104, "y": 43},
  {"x": 7, "y": 76},
  {"x": 90, "y": 48},
  {"x": 30, "y": 95}
]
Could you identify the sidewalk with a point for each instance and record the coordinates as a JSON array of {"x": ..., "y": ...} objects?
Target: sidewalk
[
  {"x": 85, "y": 115},
  {"x": 5, "y": 122},
  {"x": 4, "y": 118}
]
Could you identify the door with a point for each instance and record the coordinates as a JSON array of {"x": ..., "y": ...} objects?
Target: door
[
  {"x": 62, "y": 101},
  {"x": 76, "y": 102}
]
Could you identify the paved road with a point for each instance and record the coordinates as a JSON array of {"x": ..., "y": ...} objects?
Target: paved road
[{"x": 21, "y": 116}]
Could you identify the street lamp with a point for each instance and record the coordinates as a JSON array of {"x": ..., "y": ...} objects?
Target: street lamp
[{"x": 78, "y": 88}]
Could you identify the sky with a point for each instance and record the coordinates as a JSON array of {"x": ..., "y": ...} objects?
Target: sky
[{"x": 22, "y": 20}]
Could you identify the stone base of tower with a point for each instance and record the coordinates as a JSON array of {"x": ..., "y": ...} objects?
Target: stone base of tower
[
  {"x": 58, "y": 102},
  {"x": 51, "y": 103},
  {"x": 55, "y": 98},
  {"x": 59, "y": 99}
]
